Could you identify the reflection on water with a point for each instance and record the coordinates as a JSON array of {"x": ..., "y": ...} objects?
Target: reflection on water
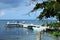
[
  {"x": 17, "y": 34},
  {"x": 20, "y": 34}
]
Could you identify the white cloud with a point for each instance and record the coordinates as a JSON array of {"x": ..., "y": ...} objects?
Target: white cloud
[
  {"x": 2, "y": 13},
  {"x": 9, "y": 12},
  {"x": 4, "y": 6}
]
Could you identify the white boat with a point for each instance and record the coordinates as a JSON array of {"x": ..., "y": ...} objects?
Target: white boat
[{"x": 40, "y": 28}]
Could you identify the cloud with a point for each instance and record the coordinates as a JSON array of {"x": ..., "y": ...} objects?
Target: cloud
[
  {"x": 4, "y": 4},
  {"x": 15, "y": 9},
  {"x": 2, "y": 13},
  {"x": 10, "y": 1}
]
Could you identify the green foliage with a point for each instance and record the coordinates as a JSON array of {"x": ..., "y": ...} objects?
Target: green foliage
[
  {"x": 51, "y": 8},
  {"x": 37, "y": 7},
  {"x": 47, "y": 24},
  {"x": 58, "y": 16},
  {"x": 58, "y": 1},
  {"x": 56, "y": 25},
  {"x": 56, "y": 34}
]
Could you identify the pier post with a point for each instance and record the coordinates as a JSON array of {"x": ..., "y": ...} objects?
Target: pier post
[{"x": 38, "y": 35}]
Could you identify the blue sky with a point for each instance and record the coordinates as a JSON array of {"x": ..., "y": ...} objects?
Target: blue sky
[{"x": 17, "y": 9}]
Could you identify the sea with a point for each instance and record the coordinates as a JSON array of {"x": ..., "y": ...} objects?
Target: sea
[{"x": 18, "y": 33}]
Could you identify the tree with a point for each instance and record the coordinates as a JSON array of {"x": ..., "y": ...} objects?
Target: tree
[{"x": 51, "y": 8}]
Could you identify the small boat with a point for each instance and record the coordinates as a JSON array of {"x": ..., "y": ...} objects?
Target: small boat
[{"x": 40, "y": 28}]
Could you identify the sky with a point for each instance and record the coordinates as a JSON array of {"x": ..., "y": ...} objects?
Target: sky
[{"x": 18, "y": 9}]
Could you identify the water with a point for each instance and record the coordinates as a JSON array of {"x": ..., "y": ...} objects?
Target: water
[{"x": 17, "y": 33}]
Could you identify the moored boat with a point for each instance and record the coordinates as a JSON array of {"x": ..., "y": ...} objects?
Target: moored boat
[{"x": 40, "y": 28}]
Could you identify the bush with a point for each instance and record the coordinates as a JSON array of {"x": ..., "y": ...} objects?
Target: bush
[
  {"x": 56, "y": 33},
  {"x": 56, "y": 25}
]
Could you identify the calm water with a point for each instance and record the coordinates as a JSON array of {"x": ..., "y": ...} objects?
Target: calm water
[{"x": 21, "y": 33}]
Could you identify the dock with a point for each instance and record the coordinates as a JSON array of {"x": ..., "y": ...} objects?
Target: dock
[{"x": 24, "y": 25}]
